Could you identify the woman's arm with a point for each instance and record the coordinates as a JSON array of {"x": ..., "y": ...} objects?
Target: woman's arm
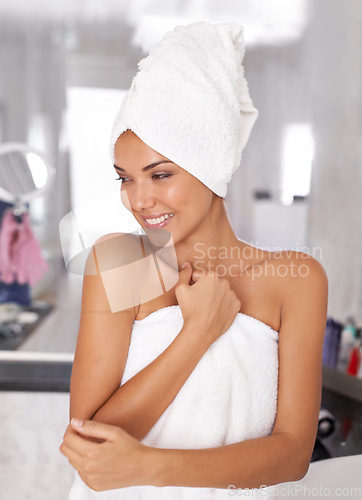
[
  {"x": 102, "y": 348},
  {"x": 102, "y": 345},
  {"x": 101, "y": 355},
  {"x": 138, "y": 404}
]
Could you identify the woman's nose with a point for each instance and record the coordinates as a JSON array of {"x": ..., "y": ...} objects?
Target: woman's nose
[{"x": 140, "y": 197}]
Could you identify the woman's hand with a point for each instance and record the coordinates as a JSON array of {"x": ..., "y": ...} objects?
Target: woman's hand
[
  {"x": 209, "y": 304},
  {"x": 105, "y": 456}
]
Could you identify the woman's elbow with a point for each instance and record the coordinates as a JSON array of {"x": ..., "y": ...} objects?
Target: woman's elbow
[
  {"x": 302, "y": 462},
  {"x": 301, "y": 471},
  {"x": 297, "y": 460}
]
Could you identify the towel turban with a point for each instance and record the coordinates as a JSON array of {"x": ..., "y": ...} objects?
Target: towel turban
[{"x": 189, "y": 101}]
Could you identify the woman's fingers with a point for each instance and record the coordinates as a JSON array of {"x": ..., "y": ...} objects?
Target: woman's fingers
[
  {"x": 82, "y": 445},
  {"x": 210, "y": 305},
  {"x": 117, "y": 460},
  {"x": 185, "y": 274},
  {"x": 196, "y": 275},
  {"x": 72, "y": 455},
  {"x": 94, "y": 429}
]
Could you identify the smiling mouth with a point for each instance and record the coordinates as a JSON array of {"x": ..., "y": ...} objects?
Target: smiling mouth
[{"x": 157, "y": 222}]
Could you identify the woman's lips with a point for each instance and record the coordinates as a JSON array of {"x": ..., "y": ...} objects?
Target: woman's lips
[{"x": 160, "y": 224}]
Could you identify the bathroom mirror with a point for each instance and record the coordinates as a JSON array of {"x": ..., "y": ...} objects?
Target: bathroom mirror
[{"x": 24, "y": 173}]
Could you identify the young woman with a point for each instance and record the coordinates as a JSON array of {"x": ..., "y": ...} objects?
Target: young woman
[{"x": 214, "y": 383}]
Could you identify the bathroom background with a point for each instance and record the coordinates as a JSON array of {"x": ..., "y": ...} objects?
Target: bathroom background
[{"x": 64, "y": 67}]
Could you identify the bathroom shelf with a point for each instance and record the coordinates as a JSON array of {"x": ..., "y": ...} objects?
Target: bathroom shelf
[
  {"x": 342, "y": 383},
  {"x": 14, "y": 339}
]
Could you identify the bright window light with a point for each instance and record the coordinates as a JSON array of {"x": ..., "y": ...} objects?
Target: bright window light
[
  {"x": 38, "y": 169},
  {"x": 297, "y": 156},
  {"x": 95, "y": 196}
]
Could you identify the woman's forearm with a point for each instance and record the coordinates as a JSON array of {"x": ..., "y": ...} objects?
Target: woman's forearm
[
  {"x": 253, "y": 463},
  {"x": 138, "y": 404}
]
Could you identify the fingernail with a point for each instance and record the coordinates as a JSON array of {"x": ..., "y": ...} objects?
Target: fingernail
[
  {"x": 184, "y": 265},
  {"x": 76, "y": 422}
]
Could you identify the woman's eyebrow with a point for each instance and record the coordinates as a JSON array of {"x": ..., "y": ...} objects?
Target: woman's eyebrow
[{"x": 152, "y": 165}]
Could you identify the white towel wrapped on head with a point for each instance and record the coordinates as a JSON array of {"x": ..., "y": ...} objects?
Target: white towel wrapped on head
[{"x": 190, "y": 101}]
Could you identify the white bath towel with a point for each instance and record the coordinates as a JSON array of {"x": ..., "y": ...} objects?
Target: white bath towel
[
  {"x": 190, "y": 101},
  {"x": 230, "y": 396}
]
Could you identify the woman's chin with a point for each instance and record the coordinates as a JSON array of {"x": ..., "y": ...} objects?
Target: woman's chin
[{"x": 160, "y": 237}]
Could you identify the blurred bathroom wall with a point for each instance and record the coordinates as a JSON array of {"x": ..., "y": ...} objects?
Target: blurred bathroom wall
[
  {"x": 335, "y": 217},
  {"x": 315, "y": 81}
]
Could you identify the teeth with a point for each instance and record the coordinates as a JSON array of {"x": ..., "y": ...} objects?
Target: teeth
[{"x": 159, "y": 219}]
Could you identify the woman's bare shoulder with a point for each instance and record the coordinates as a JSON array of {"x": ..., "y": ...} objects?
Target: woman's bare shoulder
[
  {"x": 128, "y": 276},
  {"x": 110, "y": 250},
  {"x": 111, "y": 240},
  {"x": 299, "y": 277},
  {"x": 110, "y": 279},
  {"x": 294, "y": 265},
  {"x": 284, "y": 278}
]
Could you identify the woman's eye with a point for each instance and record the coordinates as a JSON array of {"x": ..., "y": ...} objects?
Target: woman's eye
[
  {"x": 161, "y": 176},
  {"x": 157, "y": 176}
]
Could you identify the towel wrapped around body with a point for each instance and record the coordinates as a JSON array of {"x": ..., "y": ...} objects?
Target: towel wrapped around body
[{"x": 230, "y": 396}]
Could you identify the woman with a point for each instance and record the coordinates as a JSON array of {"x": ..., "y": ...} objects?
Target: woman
[{"x": 213, "y": 382}]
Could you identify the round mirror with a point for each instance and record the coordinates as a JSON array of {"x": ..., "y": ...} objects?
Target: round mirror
[{"x": 24, "y": 172}]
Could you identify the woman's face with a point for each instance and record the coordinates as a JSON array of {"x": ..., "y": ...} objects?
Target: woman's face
[{"x": 165, "y": 191}]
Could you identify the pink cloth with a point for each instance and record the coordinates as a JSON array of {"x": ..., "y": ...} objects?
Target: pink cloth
[{"x": 21, "y": 259}]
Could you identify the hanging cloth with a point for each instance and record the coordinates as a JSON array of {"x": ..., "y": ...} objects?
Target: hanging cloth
[{"x": 21, "y": 258}]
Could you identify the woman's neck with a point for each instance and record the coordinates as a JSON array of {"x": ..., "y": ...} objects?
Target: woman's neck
[{"x": 213, "y": 246}]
